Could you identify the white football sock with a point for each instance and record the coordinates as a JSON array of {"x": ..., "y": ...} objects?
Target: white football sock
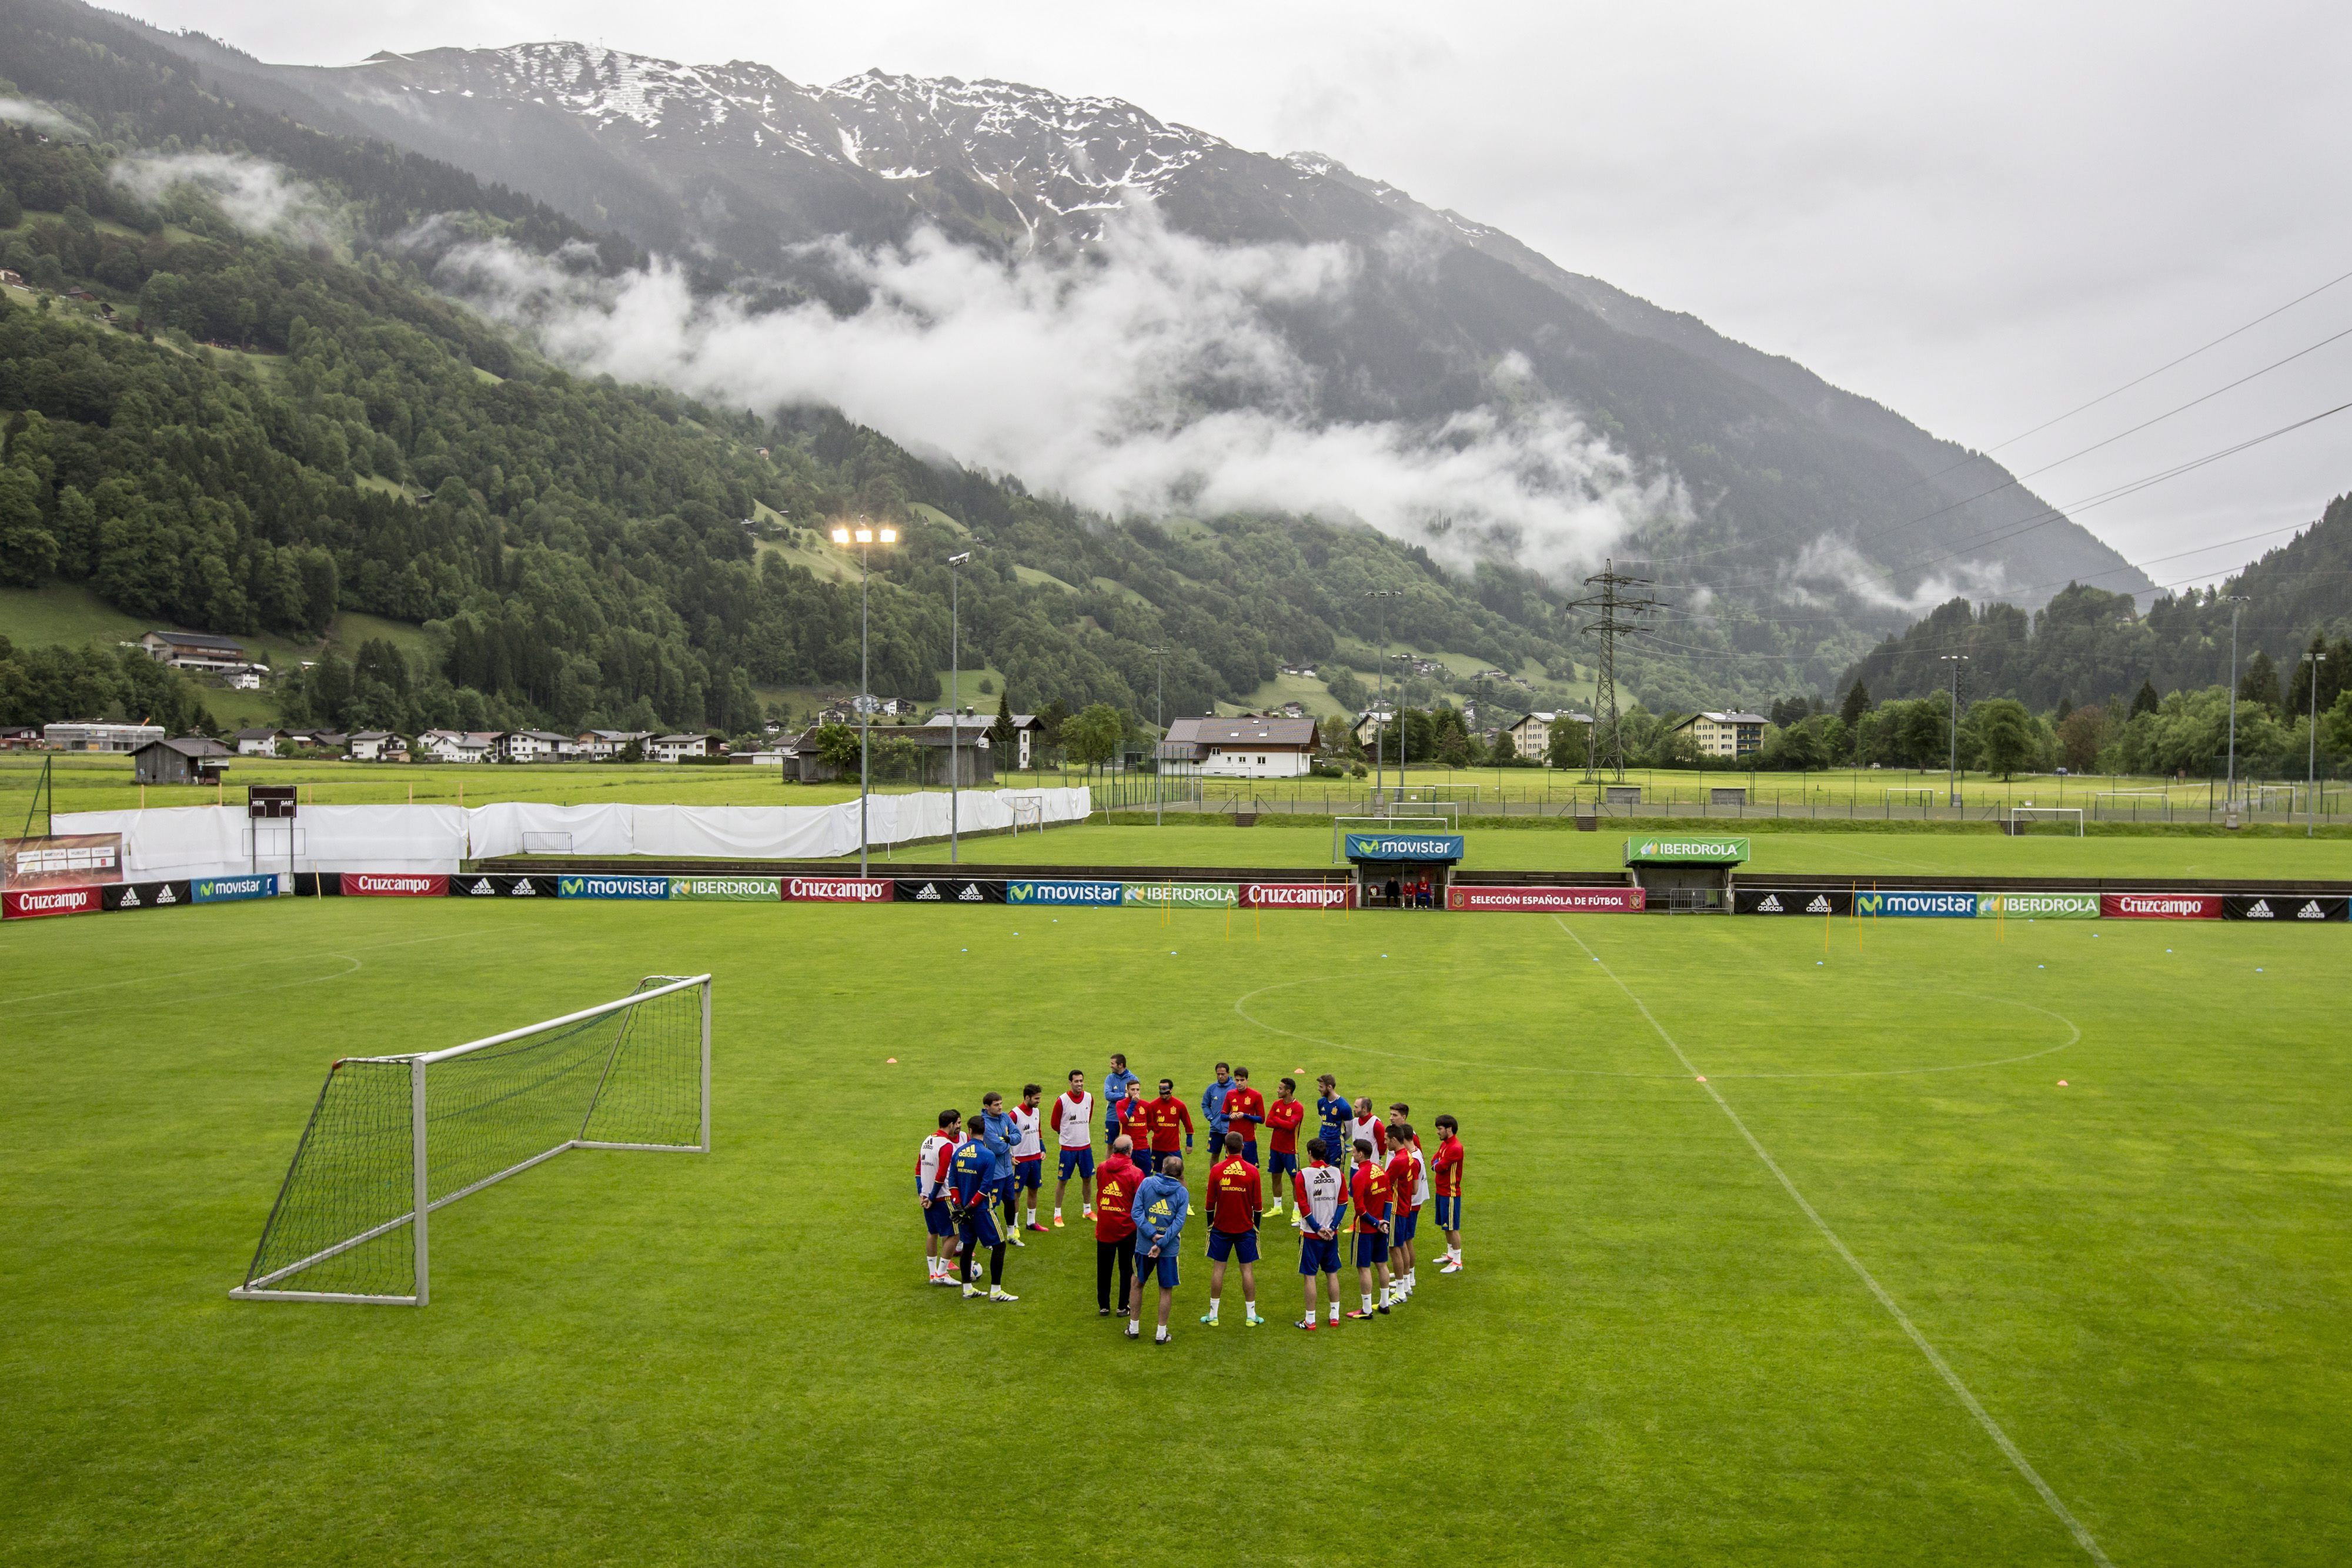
[
  {"x": 1335, "y": 1311},
  {"x": 1368, "y": 1303}
]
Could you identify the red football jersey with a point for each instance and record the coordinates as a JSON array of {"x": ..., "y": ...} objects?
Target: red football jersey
[
  {"x": 1447, "y": 1173},
  {"x": 1283, "y": 1119},
  {"x": 1244, "y": 1110},
  {"x": 1115, "y": 1180},
  {"x": 1232, "y": 1196},
  {"x": 1372, "y": 1196},
  {"x": 1168, "y": 1113},
  {"x": 1135, "y": 1123}
]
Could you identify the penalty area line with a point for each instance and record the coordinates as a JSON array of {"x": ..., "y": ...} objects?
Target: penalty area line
[{"x": 1968, "y": 1401}]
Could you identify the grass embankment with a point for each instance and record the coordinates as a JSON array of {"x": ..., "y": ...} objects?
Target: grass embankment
[{"x": 2139, "y": 1276}]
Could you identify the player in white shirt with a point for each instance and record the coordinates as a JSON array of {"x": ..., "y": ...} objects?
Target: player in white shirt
[
  {"x": 1028, "y": 1153},
  {"x": 1322, "y": 1195},
  {"x": 1366, "y": 1127},
  {"x": 1072, "y": 1119},
  {"x": 931, "y": 1186}
]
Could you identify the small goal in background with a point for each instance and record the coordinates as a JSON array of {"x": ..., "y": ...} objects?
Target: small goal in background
[
  {"x": 1028, "y": 811},
  {"x": 2063, "y": 821}
]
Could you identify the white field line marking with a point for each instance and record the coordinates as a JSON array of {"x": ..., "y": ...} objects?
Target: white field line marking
[
  {"x": 215, "y": 969},
  {"x": 2083, "y": 1537}
]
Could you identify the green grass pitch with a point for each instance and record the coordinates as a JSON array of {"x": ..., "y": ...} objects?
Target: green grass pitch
[{"x": 1654, "y": 1356}]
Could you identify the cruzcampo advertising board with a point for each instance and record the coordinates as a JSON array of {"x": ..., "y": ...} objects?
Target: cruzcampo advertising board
[{"x": 1685, "y": 851}]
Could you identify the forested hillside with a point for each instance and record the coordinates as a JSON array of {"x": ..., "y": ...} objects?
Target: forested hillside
[{"x": 248, "y": 426}]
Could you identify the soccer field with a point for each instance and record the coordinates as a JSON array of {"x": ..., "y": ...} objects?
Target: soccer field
[{"x": 1789, "y": 1315}]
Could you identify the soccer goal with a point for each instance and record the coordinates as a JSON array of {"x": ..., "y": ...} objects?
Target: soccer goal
[
  {"x": 2044, "y": 819},
  {"x": 1028, "y": 811},
  {"x": 394, "y": 1138},
  {"x": 1918, "y": 795},
  {"x": 2272, "y": 797}
]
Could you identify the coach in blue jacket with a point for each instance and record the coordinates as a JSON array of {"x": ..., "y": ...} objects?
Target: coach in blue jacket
[
  {"x": 1160, "y": 1204},
  {"x": 1213, "y": 1105},
  {"x": 998, "y": 1134}
]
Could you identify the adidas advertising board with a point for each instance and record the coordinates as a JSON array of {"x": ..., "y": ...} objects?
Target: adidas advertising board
[
  {"x": 611, "y": 887},
  {"x": 1548, "y": 900},
  {"x": 228, "y": 889},
  {"x": 1062, "y": 893},
  {"x": 838, "y": 889},
  {"x": 1182, "y": 894},
  {"x": 941, "y": 890},
  {"x": 1297, "y": 895},
  {"x": 2159, "y": 906},
  {"x": 2038, "y": 906},
  {"x": 502, "y": 884},
  {"x": 393, "y": 885},
  {"x": 147, "y": 895},
  {"x": 1918, "y": 905},
  {"x": 2288, "y": 908},
  {"x": 33, "y": 903},
  {"x": 1815, "y": 901},
  {"x": 727, "y": 889}
]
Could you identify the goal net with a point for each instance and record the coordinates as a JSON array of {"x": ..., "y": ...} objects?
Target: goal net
[
  {"x": 391, "y": 1139},
  {"x": 1028, "y": 811},
  {"x": 2133, "y": 805},
  {"x": 2044, "y": 819}
]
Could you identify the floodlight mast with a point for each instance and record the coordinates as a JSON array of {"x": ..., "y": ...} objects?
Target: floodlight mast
[
  {"x": 1160, "y": 720},
  {"x": 1612, "y": 602},
  {"x": 955, "y": 696},
  {"x": 1952, "y": 761},
  {"x": 2236, "y": 602},
  {"x": 865, "y": 536},
  {"x": 1380, "y": 684},
  {"x": 2311, "y": 760}
]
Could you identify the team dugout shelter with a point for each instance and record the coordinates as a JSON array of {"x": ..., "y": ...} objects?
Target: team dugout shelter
[
  {"x": 1404, "y": 871},
  {"x": 1685, "y": 875}
]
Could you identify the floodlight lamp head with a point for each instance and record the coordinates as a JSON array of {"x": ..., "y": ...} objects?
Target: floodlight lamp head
[
  {"x": 959, "y": 560},
  {"x": 866, "y": 536},
  {"x": 841, "y": 536},
  {"x": 889, "y": 536}
]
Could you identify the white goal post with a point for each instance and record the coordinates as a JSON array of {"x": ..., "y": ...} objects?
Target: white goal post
[
  {"x": 2022, "y": 817},
  {"x": 391, "y": 1139},
  {"x": 2107, "y": 803},
  {"x": 1028, "y": 811}
]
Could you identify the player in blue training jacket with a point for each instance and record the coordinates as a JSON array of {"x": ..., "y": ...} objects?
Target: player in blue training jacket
[
  {"x": 972, "y": 1178},
  {"x": 1213, "y": 1105},
  {"x": 1333, "y": 1113},
  {"x": 999, "y": 1134},
  {"x": 1160, "y": 1204}
]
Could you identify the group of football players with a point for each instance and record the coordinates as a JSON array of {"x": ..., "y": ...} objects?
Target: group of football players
[{"x": 979, "y": 1179}]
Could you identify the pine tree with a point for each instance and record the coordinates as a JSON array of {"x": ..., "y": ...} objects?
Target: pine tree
[
  {"x": 1001, "y": 737},
  {"x": 1856, "y": 703},
  {"x": 2146, "y": 702}
]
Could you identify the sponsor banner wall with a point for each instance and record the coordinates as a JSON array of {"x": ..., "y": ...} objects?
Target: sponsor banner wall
[
  {"x": 148, "y": 894},
  {"x": 1062, "y": 891},
  {"x": 2160, "y": 907},
  {"x": 1404, "y": 846},
  {"x": 499, "y": 884},
  {"x": 1297, "y": 895},
  {"x": 32, "y": 902},
  {"x": 1182, "y": 894},
  {"x": 2038, "y": 906},
  {"x": 945, "y": 890},
  {"x": 1685, "y": 851},
  {"x": 393, "y": 885},
  {"x": 611, "y": 887},
  {"x": 1548, "y": 900},
  {"x": 2286, "y": 906},
  {"x": 1918, "y": 905},
  {"x": 727, "y": 889},
  {"x": 65, "y": 860},
  {"x": 839, "y": 888},
  {"x": 1782, "y": 901},
  {"x": 229, "y": 889}
]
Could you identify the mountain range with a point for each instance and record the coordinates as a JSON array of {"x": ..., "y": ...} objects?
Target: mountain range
[{"x": 1796, "y": 489}]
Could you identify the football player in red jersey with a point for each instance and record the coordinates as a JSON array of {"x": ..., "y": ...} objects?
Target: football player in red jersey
[
  {"x": 1448, "y": 1172},
  {"x": 1235, "y": 1195},
  {"x": 1283, "y": 1120},
  {"x": 1371, "y": 1198}
]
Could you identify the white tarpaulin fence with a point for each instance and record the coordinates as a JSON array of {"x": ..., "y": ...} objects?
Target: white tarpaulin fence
[{"x": 175, "y": 842}]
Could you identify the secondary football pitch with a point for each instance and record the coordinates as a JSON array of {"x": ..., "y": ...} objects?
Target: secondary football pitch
[{"x": 1878, "y": 1290}]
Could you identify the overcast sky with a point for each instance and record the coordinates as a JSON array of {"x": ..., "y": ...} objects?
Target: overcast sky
[{"x": 1980, "y": 216}]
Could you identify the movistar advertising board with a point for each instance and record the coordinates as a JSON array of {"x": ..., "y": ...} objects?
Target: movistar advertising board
[
  {"x": 224, "y": 888},
  {"x": 1182, "y": 894},
  {"x": 1685, "y": 851},
  {"x": 611, "y": 887},
  {"x": 2038, "y": 906},
  {"x": 1404, "y": 846},
  {"x": 1062, "y": 891},
  {"x": 1918, "y": 905}
]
